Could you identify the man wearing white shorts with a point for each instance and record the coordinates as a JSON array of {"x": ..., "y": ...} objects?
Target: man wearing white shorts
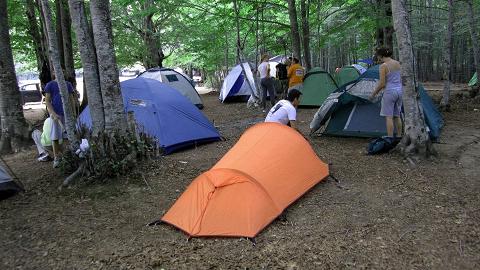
[{"x": 54, "y": 104}]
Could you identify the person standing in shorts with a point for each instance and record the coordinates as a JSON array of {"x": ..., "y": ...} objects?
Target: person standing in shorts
[
  {"x": 54, "y": 104},
  {"x": 391, "y": 81}
]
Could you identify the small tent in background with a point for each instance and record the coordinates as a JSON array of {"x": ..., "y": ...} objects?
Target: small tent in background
[
  {"x": 236, "y": 87},
  {"x": 163, "y": 113},
  {"x": 317, "y": 85},
  {"x": 8, "y": 187},
  {"x": 348, "y": 112},
  {"x": 242, "y": 193},
  {"x": 473, "y": 80},
  {"x": 347, "y": 74},
  {"x": 177, "y": 81}
]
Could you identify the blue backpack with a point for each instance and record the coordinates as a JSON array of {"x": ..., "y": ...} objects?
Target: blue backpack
[{"x": 382, "y": 145}]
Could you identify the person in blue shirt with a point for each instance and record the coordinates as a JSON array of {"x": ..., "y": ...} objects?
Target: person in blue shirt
[{"x": 54, "y": 104}]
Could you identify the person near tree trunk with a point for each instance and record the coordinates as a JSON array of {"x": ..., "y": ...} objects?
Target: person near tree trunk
[
  {"x": 54, "y": 104},
  {"x": 391, "y": 81},
  {"x": 266, "y": 82}
]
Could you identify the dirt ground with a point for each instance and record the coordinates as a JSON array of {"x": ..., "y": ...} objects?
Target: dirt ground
[{"x": 382, "y": 214}]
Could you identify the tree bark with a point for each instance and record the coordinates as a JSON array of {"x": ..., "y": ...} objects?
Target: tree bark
[
  {"x": 33, "y": 30},
  {"x": 155, "y": 54},
  {"x": 55, "y": 58},
  {"x": 305, "y": 8},
  {"x": 89, "y": 64},
  {"x": 47, "y": 68},
  {"x": 237, "y": 24},
  {"x": 115, "y": 118},
  {"x": 476, "y": 47},
  {"x": 14, "y": 129},
  {"x": 67, "y": 43},
  {"x": 292, "y": 13},
  {"x": 415, "y": 139},
  {"x": 58, "y": 24},
  {"x": 447, "y": 70}
]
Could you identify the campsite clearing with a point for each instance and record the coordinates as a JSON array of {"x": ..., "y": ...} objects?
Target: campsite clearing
[{"x": 380, "y": 214}]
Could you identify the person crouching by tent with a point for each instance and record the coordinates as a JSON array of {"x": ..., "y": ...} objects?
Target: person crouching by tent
[
  {"x": 43, "y": 142},
  {"x": 295, "y": 75},
  {"x": 53, "y": 100},
  {"x": 285, "y": 111},
  {"x": 266, "y": 82},
  {"x": 390, "y": 79}
]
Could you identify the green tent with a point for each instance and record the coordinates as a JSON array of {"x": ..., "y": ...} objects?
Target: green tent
[
  {"x": 473, "y": 80},
  {"x": 317, "y": 85},
  {"x": 346, "y": 74}
]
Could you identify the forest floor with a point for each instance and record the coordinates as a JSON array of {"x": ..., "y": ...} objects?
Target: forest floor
[{"x": 382, "y": 214}]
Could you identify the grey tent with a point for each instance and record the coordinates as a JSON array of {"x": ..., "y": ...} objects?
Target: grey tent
[
  {"x": 8, "y": 187},
  {"x": 177, "y": 81}
]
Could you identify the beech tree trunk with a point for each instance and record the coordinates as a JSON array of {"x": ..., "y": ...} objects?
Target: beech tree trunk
[
  {"x": 476, "y": 47},
  {"x": 155, "y": 55},
  {"x": 34, "y": 31},
  {"x": 67, "y": 43},
  {"x": 292, "y": 13},
  {"x": 416, "y": 139},
  {"x": 58, "y": 24},
  {"x": 14, "y": 128},
  {"x": 447, "y": 70},
  {"x": 47, "y": 68},
  {"x": 115, "y": 118},
  {"x": 60, "y": 77},
  {"x": 305, "y": 8},
  {"x": 89, "y": 64}
]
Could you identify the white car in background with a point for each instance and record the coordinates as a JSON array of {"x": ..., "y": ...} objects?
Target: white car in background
[
  {"x": 197, "y": 79},
  {"x": 32, "y": 97}
]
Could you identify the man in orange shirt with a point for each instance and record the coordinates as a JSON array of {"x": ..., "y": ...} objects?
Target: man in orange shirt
[{"x": 295, "y": 75}]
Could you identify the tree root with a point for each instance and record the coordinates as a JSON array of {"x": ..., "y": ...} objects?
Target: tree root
[{"x": 74, "y": 175}]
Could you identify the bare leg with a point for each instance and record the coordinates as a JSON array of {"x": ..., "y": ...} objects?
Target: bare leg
[
  {"x": 57, "y": 149},
  {"x": 398, "y": 125},
  {"x": 389, "y": 120}
]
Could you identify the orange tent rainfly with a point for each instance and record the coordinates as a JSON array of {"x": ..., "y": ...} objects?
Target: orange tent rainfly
[{"x": 269, "y": 168}]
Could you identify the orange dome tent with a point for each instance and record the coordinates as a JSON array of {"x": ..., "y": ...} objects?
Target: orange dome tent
[{"x": 269, "y": 168}]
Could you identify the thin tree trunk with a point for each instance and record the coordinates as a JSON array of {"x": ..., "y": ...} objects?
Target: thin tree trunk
[
  {"x": 447, "y": 71},
  {"x": 58, "y": 24},
  {"x": 34, "y": 32},
  {"x": 416, "y": 137},
  {"x": 226, "y": 51},
  {"x": 388, "y": 30},
  {"x": 305, "y": 8},
  {"x": 89, "y": 64},
  {"x": 67, "y": 43},
  {"x": 115, "y": 118},
  {"x": 14, "y": 129},
  {"x": 292, "y": 13},
  {"x": 476, "y": 47},
  {"x": 155, "y": 56},
  {"x": 55, "y": 58},
  {"x": 47, "y": 69},
  {"x": 237, "y": 24},
  {"x": 430, "y": 39}
]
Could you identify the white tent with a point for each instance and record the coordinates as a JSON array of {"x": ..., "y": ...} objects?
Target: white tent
[
  {"x": 360, "y": 68},
  {"x": 236, "y": 86},
  {"x": 8, "y": 187},
  {"x": 176, "y": 80}
]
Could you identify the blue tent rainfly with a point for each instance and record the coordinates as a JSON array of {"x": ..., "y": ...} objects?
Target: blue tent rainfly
[{"x": 163, "y": 113}]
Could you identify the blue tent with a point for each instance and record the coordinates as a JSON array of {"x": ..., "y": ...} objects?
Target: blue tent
[
  {"x": 348, "y": 112},
  {"x": 163, "y": 113}
]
